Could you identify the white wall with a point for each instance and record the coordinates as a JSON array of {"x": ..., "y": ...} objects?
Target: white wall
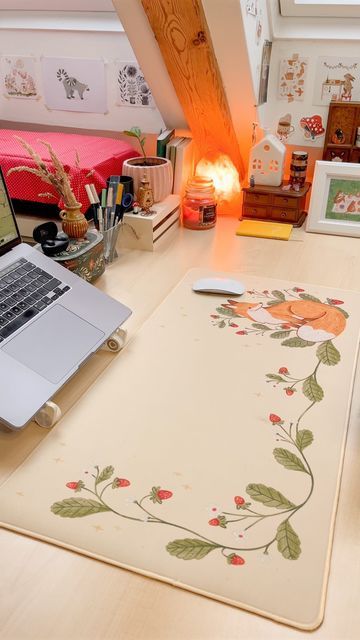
[
  {"x": 275, "y": 108},
  {"x": 110, "y": 46}
]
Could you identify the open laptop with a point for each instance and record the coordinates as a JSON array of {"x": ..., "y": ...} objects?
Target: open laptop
[{"x": 51, "y": 321}]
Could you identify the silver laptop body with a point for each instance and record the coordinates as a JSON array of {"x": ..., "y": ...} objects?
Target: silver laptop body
[{"x": 51, "y": 321}]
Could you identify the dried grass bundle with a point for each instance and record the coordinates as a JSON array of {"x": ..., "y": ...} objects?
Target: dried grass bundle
[{"x": 58, "y": 178}]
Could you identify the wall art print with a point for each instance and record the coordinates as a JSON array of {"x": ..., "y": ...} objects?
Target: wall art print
[
  {"x": 312, "y": 127},
  {"x": 264, "y": 72},
  {"x": 74, "y": 84},
  {"x": 18, "y": 74},
  {"x": 294, "y": 319},
  {"x": 337, "y": 79},
  {"x": 252, "y": 7},
  {"x": 292, "y": 78},
  {"x": 132, "y": 88}
]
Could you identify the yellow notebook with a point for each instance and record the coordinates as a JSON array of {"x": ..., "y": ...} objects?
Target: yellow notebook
[{"x": 259, "y": 229}]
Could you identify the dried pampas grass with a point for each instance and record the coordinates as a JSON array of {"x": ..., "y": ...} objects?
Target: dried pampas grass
[{"x": 58, "y": 178}]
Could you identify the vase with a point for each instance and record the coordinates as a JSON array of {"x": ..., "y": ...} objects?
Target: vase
[
  {"x": 158, "y": 172},
  {"x": 74, "y": 223}
]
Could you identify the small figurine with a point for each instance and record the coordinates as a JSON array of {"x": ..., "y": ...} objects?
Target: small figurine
[
  {"x": 252, "y": 181},
  {"x": 145, "y": 196}
]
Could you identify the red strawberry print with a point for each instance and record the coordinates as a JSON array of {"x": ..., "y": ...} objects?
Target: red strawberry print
[
  {"x": 158, "y": 495},
  {"x": 286, "y": 326},
  {"x": 75, "y": 486},
  {"x": 241, "y": 333},
  {"x": 275, "y": 419},
  {"x": 289, "y": 391},
  {"x": 334, "y": 301},
  {"x": 163, "y": 494},
  {"x": 239, "y": 500},
  {"x": 284, "y": 371},
  {"x": 232, "y": 324},
  {"x": 214, "y": 316},
  {"x": 220, "y": 521},
  {"x": 214, "y": 522},
  {"x": 120, "y": 482},
  {"x": 298, "y": 290},
  {"x": 235, "y": 560}
]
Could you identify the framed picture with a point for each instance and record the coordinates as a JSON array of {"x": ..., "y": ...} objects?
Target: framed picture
[
  {"x": 335, "y": 199},
  {"x": 264, "y": 72}
]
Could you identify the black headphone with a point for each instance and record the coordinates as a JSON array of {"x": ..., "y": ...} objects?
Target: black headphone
[{"x": 52, "y": 241}]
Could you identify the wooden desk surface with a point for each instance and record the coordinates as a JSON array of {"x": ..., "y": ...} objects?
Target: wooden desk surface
[{"x": 48, "y": 593}]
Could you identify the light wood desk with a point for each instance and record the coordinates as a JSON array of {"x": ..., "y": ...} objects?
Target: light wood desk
[{"x": 48, "y": 593}]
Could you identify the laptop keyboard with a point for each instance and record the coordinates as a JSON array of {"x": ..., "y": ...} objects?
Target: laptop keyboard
[{"x": 25, "y": 290}]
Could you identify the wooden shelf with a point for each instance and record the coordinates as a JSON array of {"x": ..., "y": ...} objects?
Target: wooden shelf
[{"x": 344, "y": 116}]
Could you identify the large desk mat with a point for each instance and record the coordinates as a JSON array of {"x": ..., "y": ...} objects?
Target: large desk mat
[{"x": 209, "y": 454}]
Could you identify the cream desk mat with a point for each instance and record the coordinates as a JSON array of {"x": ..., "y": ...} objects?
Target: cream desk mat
[{"x": 209, "y": 454}]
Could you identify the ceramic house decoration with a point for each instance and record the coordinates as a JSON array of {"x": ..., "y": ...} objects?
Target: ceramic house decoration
[{"x": 267, "y": 159}]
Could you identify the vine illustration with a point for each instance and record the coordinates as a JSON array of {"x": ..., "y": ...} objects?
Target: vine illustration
[{"x": 321, "y": 320}]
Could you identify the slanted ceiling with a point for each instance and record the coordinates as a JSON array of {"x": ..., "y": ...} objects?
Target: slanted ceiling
[{"x": 178, "y": 44}]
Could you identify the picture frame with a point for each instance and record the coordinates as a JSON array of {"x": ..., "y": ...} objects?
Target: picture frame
[
  {"x": 335, "y": 199},
  {"x": 264, "y": 72}
]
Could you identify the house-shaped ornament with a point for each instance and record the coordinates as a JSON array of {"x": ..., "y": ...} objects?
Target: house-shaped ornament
[{"x": 267, "y": 158}]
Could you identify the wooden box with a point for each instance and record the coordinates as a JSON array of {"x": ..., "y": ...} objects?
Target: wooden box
[
  {"x": 149, "y": 232},
  {"x": 274, "y": 204},
  {"x": 340, "y": 138}
]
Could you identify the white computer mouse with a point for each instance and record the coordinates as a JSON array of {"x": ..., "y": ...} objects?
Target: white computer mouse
[{"x": 219, "y": 285}]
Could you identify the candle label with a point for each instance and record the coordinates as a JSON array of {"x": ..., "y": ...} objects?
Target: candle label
[{"x": 208, "y": 213}]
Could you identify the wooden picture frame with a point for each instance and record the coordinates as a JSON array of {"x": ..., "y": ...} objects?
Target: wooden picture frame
[{"x": 335, "y": 199}]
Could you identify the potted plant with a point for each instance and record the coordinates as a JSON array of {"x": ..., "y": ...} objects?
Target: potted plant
[
  {"x": 158, "y": 171},
  {"x": 74, "y": 222}
]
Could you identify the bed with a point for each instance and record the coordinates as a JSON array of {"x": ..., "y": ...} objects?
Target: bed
[{"x": 79, "y": 154}]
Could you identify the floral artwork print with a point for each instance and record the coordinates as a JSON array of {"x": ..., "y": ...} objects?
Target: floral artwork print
[
  {"x": 19, "y": 77},
  {"x": 297, "y": 320},
  {"x": 133, "y": 88}
]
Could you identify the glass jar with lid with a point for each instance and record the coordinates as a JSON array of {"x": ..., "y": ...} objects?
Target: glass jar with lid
[{"x": 199, "y": 204}]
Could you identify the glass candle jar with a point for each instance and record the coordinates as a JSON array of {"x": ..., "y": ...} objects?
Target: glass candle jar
[{"x": 199, "y": 204}]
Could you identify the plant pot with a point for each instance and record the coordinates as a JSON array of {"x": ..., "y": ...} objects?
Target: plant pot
[
  {"x": 74, "y": 223},
  {"x": 158, "y": 172}
]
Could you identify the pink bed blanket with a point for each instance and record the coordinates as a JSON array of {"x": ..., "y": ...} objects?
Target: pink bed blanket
[{"x": 79, "y": 154}]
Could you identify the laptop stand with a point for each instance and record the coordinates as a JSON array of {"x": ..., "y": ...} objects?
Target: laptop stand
[{"x": 50, "y": 413}]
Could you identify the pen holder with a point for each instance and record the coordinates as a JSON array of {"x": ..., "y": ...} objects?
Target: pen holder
[{"x": 110, "y": 239}]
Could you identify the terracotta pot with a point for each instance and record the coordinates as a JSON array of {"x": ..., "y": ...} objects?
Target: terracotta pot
[
  {"x": 158, "y": 172},
  {"x": 74, "y": 222}
]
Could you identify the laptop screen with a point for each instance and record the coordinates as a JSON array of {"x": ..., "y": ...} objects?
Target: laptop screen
[{"x": 9, "y": 233}]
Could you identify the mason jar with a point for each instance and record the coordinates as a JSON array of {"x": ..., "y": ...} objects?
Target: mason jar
[{"x": 199, "y": 204}]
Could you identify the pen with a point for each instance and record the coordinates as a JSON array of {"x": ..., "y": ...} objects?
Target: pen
[
  {"x": 119, "y": 212},
  {"x": 92, "y": 201}
]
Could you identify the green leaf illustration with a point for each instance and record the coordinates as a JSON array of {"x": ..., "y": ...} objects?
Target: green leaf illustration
[
  {"x": 262, "y": 327},
  {"x": 297, "y": 342},
  {"x": 312, "y": 390},
  {"x": 278, "y": 294},
  {"x": 280, "y": 334},
  {"x": 275, "y": 376},
  {"x": 77, "y": 507},
  {"x": 268, "y": 496},
  {"x": 328, "y": 354},
  {"x": 307, "y": 296},
  {"x": 105, "y": 474},
  {"x": 190, "y": 548},
  {"x": 288, "y": 460},
  {"x": 222, "y": 324},
  {"x": 225, "y": 312},
  {"x": 270, "y": 303},
  {"x": 288, "y": 542},
  {"x": 304, "y": 438}
]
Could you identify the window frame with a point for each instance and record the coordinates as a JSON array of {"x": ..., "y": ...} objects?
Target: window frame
[{"x": 320, "y": 9}]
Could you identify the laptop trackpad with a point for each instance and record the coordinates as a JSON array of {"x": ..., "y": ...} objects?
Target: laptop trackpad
[{"x": 54, "y": 344}]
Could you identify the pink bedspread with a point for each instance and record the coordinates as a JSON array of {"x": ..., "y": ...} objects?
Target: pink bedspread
[{"x": 105, "y": 156}]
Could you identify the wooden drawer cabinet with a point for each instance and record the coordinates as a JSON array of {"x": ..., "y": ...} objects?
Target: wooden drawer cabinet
[{"x": 272, "y": 203}]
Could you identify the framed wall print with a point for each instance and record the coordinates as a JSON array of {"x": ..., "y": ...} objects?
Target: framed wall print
[{"x": 335, "y": 199}]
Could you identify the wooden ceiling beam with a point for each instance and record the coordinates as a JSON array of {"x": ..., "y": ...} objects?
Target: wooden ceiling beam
[{"x": 182, "y": 33}]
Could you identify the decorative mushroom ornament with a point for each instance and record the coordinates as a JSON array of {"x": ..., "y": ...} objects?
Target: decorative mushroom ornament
[{"x": 313, "y": 127}]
